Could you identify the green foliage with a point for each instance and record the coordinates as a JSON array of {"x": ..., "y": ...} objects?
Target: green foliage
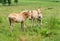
[
  {"x": 16, "y": 1},
  {"x": 9, "y": 2},
  {"x": 3, "y": 1},
  {"x": 0, "y": 1}
]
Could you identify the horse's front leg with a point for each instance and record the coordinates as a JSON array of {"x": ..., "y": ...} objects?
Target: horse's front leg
[
  {"x": 36, "y": 20},
  {"x": 31, "y": 23},
  {"x": 41, "y": 23},
  {"x": 11, "y": 24},
  {"x": 11, "y": 27},
  {"x": 22, "y": 26}
]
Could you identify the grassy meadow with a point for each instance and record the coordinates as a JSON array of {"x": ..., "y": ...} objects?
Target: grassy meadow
[{"x": 51, "y": 21}]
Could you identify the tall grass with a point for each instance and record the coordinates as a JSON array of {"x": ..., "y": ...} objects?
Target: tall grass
[
  {"x": 1, "y": 19},
  {"x": 50, "y": 26}
]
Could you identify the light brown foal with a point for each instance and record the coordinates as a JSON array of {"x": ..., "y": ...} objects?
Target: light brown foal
[
  {"x": 35, "y": 15},
  {"x": 18, "y": 18}
]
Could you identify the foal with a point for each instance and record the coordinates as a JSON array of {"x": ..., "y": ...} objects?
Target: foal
[
  {"x": 18, "y": 18},
  {"x": 35, "y": 15}
]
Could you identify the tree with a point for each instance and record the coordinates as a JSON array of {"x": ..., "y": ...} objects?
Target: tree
[
  {"x": 0, "y": 1},
  {"x": 16, "y": 1},
  {"x": 9, "y": 2},
  {"x": 3, "y": 2}
]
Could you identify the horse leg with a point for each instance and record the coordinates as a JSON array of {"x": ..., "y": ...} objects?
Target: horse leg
[
  {"x": 31, "y": 23},
  {"x": 36, "y": 22},
  {"x": 41, "y": 23},
  {"x": 11, "y": 24},
  {"x": 22, "y": 26}
]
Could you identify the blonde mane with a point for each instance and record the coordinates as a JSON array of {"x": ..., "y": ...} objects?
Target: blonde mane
[{"x": 24, "y": 11}]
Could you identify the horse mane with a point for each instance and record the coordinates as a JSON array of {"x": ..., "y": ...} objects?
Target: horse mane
[{"x": 24, "y": 11}]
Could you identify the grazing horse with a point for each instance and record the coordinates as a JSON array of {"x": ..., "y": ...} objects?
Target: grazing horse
[
  {"x": 35, "y": 15},
  {"x": 18, "y": 18}
]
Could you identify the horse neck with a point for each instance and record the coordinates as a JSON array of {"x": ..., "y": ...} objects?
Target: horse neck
[{"x": 25, "y": 16}]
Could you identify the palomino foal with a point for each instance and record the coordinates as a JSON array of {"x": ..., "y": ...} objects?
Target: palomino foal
[
  {"x": 18, "y": 18},
  {"x": 35, "y": 15}
]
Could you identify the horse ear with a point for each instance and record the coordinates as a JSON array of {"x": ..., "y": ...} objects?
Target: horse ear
[
  {"x": 30, "y": 11},
  {"x": 39, "y": 10}
]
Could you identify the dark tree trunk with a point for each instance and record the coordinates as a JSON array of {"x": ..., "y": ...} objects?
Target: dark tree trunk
[{"x": 9, "y": 2}]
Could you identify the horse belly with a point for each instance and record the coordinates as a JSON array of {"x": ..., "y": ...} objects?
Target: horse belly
[{"x": 20, "y": 19}]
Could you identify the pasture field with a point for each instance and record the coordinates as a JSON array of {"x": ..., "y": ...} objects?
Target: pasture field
[{"x": 51, "y": 22}]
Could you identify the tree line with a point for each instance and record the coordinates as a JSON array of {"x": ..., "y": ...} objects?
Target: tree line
[{"x": 8, "y": 2}]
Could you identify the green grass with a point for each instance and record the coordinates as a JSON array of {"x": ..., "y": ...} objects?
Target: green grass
[{"x": 51, "y": 22}]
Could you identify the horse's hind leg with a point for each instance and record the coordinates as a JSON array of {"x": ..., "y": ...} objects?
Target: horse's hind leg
[{"x": 11, "y": 24}]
